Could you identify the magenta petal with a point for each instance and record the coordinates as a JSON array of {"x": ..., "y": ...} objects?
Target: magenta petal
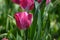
[
  {"x": 30, "y": 17},
  {"x": 17, "y": 17}
]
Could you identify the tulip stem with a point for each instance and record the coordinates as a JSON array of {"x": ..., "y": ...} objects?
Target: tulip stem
[{"x": 26, "y": 34}]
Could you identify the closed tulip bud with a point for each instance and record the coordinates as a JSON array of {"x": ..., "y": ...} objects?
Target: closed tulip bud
[
  {"x": 48, "y": 1},
  {"x": 23, "y": 20}
]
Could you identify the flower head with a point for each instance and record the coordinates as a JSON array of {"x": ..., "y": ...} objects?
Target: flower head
[
  {"x": 23, "y": 20},
  {"x": 27, "y": 4},
  {"x": 48, "y": 1}
]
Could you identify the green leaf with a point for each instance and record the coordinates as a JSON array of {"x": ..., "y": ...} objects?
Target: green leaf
[
  {"x": 39, "y": 25},
  {"x": 34, "y": 24},
  {"x": 18, "y": 37}
]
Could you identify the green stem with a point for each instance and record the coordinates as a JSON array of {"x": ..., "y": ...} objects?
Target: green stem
[{"x": 26, "y": 34}]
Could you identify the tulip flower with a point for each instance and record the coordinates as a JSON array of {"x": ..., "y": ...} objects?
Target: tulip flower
[
  {"x": 48, "y": 1},
  {"x": 23, "y": 20},
  {"x": 27, "y": 4}
]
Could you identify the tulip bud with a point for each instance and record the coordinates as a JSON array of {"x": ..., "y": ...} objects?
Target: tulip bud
[
  {"x": 23, "y": 20},
  {"x": 48, "y": 1}
]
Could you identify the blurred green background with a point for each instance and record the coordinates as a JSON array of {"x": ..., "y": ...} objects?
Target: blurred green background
[{"x": 45, "y": 26}]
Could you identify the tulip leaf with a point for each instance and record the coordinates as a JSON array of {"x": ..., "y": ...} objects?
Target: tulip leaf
[
  {"x": 39, "y": 25},
  {"x": 18, "y": 37},
  {"x": 34, "y": 24}
]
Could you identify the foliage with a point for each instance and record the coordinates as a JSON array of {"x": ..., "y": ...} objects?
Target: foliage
[{"x": 45, "y": 26}]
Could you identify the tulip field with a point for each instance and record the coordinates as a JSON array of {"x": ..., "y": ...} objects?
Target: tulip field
[{"x": 29, "y": 19}]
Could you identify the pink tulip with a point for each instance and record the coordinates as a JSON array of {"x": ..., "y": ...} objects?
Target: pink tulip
[
  {"x": 48, "y": 1},
  {"x": 16, "y": 1},
  {"x": 4, "y": 39},
  {"x": 39, "y": 1},
  {"x": 23, "y": 20},
  {"x": 27, "y": 4}
]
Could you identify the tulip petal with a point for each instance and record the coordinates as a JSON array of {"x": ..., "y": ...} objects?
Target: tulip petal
[{"x": 30, "y": 17}]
